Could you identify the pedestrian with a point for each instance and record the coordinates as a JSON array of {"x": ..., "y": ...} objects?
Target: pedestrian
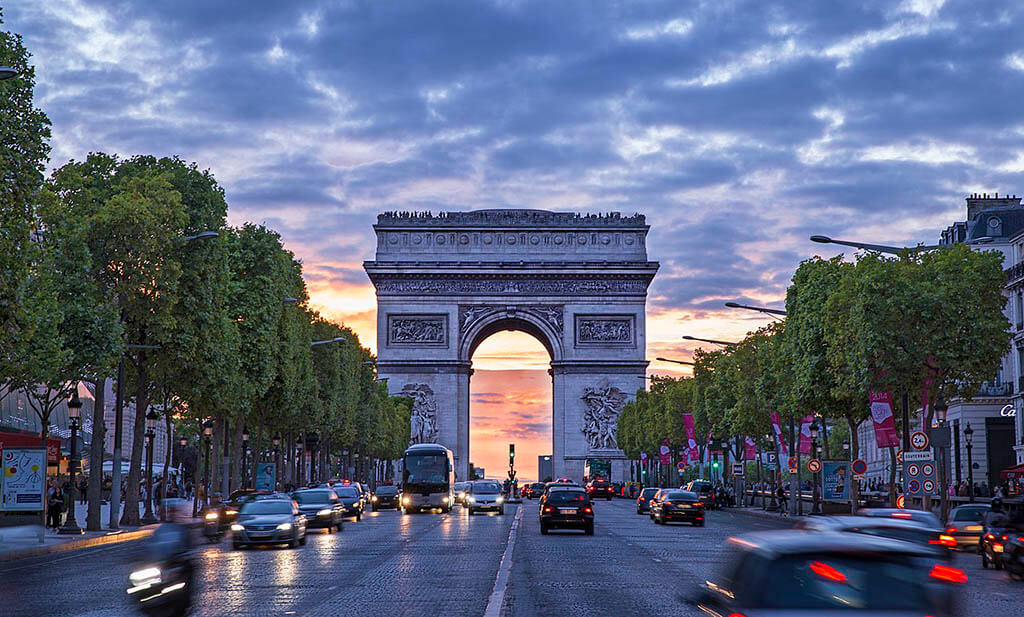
[
  {"x": 83, "y": 488},
  {"x": 54, "y": 505},
  {"x": 780, "y": 493},
  {"x": 984, "y": 490}
]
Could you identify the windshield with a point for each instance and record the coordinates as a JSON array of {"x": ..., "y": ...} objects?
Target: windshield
[
  {"x": 566, "y": 497},
  {"x": 647, "y": 493},
  {"x": 974, "y": 515},
  {"x": 267, "y": 507},
  {"x": 486, "y": 488},
  {"x": 908, "y": 534},
  {"x": 426, "y": 469},
  {"x": 307, "y": 497},
  {"x": 386, "y": 491},
  {"x": 346, "y": 491},
  {"x": 832, "y": 582}
]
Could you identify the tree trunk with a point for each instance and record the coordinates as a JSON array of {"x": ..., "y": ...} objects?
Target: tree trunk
[
  {"x": 892, "y": 477},
  {"x": 131, "y": 498},
  {"x": 215, "y": 456},
  {"x": 854, "y": 449},
  {"x": 225, "y": 461},
  {"x": 167, "y": 454},
  {"x": 237, "y": 454},
  {"x": 94, "y": 493}
]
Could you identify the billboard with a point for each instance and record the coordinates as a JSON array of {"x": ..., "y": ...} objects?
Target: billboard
[
  {"x": 24, "y": 479},
  {"x": 835, "y": 480},
  {"x": 266, "y": 477}
]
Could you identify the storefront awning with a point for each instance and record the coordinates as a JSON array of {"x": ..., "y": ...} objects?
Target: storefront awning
[
  {"x": 1017, "y": 471},
  {"x": 32, "y": 440}
]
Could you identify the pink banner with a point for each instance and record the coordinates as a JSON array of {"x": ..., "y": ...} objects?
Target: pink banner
[
  {"x": 643, "y": 457},
  {"x": 805, "y": 434},
  {"x": 749, "y": 449},
  {"x": 882, "y": 418},
  {"x": 691, "y": 437},
  {"x": 666, "y": 452},
  {"x": 778, "y": 433}
]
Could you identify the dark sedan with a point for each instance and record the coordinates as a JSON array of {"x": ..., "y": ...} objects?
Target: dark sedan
[
  {"x": 321, "y": 507},
  {"x": 352, "y": 499},
  {"x": 567, "y": 507},
  {"x": 684, "y": 506},
  {"x": 386, "y": 497},
  {"x": 269, "y": 521},
  {"x": 643, "y": 500}
]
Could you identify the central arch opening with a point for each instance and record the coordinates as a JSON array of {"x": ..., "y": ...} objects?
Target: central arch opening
[{"x": 510, "y": 400}]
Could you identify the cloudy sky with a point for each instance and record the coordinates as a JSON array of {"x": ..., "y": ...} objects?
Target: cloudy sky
[{"x": 738, "y": 128}]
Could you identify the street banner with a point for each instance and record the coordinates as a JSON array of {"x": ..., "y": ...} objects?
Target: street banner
[
  {"x": 666, "y": 452},
  {"x": 778, "y": 433},
  {"x": 266, "y": 476},
  {"x": 749, "y": 449},
  {"x": 643, "y": 457},
  {"x": 805, "y": 434},
  {"x": 882, "y": 418},
  {"x": 24, "y": 479},
  {"x": 691, "y": 437},
  {"x": 835, "y": 480}
]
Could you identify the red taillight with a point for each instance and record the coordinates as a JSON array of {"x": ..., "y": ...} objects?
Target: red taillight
[
  {"x": 944, "y": 540},
  {"x": 548, "y": 509},
  {"x": 737, "y": 615},
  {"x": 827, "y": 572},
  {"x": 642, "y": 499},
  {"x": 902, "y": 515},
  {"x": 989, "y": 536},
  {"x": 698, "y": 503},
  {"x": 950, "y": 529},
  {"x": 948, "y": 574},
  {"x": 588, "y": 510},
  {"x": 1003, "y": 538}
]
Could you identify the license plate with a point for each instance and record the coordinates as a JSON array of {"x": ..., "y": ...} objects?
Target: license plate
[
  {"x": 997, "y": 548},
  {"x": 974, "y": 528},
  {"x": 568, "y": 510}
]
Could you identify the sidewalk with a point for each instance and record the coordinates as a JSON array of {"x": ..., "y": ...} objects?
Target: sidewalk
[{"x": 23, "y": 541}]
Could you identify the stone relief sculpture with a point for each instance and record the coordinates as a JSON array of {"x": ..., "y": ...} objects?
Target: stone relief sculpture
[
  {"x": 424, "y": 413},
  {"x": 417, "y": 330},
  {"x": 550, "y": 313},
  {"x": 601, "y": 418},
  {"x": 605, "y": 331}
]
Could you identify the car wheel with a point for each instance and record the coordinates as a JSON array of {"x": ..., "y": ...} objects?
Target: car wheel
[
  {"x": 359, "y": 516},
  {"x": 471, "y": 511},
  {"x": 609, "y": 498},
  {"x": 374, "y": 507},
  {"x": 589, "y": 529},
  {"x": 639, "y": 511},
  {"x": 303, "y": 540},
  {"x": 340, "y": 525},
  {"x": 329, "y": 530},
  {"x": 501, "y": 511},
  {"x": 984, "y": 560},
  {"x": 294, "y": 543},
  {"x": 543, "y": 529}
]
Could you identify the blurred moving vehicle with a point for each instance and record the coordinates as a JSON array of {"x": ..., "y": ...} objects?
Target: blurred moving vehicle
[
  {"x": 677, "y": 505},
  {"x": 654, "y": 499},
  {"x": 428, "y": 473},
  {"x": 459, "y": 488},
  {"x": 921, "y": 516},
  {"x": 567, "y": 507},
  {"x": 704, "y": 489},
  {"x": 321, "y": 507},
  {"x": 386, "y": 496},
  {"x": 269, "y": 521},
  {"x": 793, "y": 572},
  {"x": 643, "y": 500},
  {"x": 599, "y": 487},
  {"x": 965, "y": 524},
  {"x": 1013, "y": 555},
  {"x": 164, "y": 583},
  {"x": 534, "y": 490},
  {"x": 484, "y": 495},
  {"x": 907, "y": 530},
  {"x": 352, "y": 499}
]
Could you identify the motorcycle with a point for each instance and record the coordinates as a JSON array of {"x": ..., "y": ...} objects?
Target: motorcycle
[
  {"x": 163, "y": 589},
  {"x": 993, "y": 547},
  {"x": 214, "y": 523}
]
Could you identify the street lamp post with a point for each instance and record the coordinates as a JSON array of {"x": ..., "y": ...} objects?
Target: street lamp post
[
  {"x": 74, "y": 414},
  {"x": 709, "y": 340},
  {"x": 759, "y": 309},
  {"x": 245, "y": 457},
  {"x": 817, "y": 485},
  {"x": 300, "y": 462},
  {"x": 8, "y": 72},
  {"x": 686, "y": 362},
  {"x": 969, "y": 438},
  {"x": 940, "y": 438},
  {"x": 182, "y": 442},
  {"x": 208, "y": 437},
  {"x": 774, "y": 505},
  {"x": 277, "y": 463},
  {"x": 151, "y": 419}
]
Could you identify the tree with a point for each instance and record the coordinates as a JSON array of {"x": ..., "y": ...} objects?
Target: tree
[{"x": 24, "y": 151}]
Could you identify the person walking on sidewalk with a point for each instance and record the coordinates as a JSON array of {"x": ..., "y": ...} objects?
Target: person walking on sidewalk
[{"x": 83, "y": 487}]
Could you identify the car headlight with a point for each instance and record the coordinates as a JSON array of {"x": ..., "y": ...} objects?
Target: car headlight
[
  {"x": 375, "y": 498},
  {"x": 500, "y": 499},
  {"x": 237, "y": 527},
  {"x": 444, "y": 500},
  {"x": 145, "y": 576},
  {"x": 405, "y": 500},
  {"x": 212, "y": 516},
  {"x": 325, "y": 512},
  {"x": 470, "y": 499},
  {"x": 462, "y": 494},
  {"x": 230, "y": 512},
  {"x": 284, "y": 526}
]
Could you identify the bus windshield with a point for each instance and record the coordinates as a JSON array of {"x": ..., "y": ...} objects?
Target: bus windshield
[{"x": 427, "y": 471}]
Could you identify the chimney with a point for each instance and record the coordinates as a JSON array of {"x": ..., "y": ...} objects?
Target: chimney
[{"x": 979, "y": 202}]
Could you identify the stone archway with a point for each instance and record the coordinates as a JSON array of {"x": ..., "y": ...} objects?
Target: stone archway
[{"x": 578, "y": 283}]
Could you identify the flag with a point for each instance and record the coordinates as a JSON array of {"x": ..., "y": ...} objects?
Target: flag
[
  {"x": 805, "y": 434},
  {"x": 666, "y": 452},
  {"x": 882, "y": 418},
  {"x": 643, "y": 457},
  {"x": 749, "y": 449},
  {"x": 691, "y": 437},
  {"x": 778, "y": 433}
]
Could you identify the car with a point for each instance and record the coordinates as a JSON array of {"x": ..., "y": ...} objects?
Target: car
[
  {"x": 793, "y": 572},
  {"x": 459, "y": 488},
  {"x": 567, "y": 507},
  {"x": 704, "y": 489},
  {"x": 653, "y": 501},
  {"x": 269, "y": 521},
  {"x": 920, "y": 516},
  {"x": 536, "y": 490},
  {"x": 234, "y": 502},
  {"x": 352, "y": 499},
  {"x": 897, "y": 529},
  {"x": 600, "y": 487},
  {"x": 677, "y": 505},
  {"x": 558, "y": 482},
  {"x": 643, "y": 500},
  {"x": 365, "y": 493},
  {"x": 321, "y": 507},
  {"x": 484, "y": 495},
  {"x": 965, "y": 524},
  {"x": 386, "y": 496}
]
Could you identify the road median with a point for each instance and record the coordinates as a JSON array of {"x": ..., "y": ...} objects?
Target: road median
[{"x": 11, "y": 550}]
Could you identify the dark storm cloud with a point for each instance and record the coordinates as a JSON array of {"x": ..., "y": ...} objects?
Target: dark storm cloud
[{"x": 738, "y": 127}]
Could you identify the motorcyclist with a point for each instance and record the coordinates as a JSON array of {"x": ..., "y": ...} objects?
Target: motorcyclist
[
  {"x": 171, "y": 542},
  {"x": 995, "y": 517}
]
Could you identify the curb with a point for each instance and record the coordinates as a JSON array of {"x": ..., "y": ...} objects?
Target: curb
[{"x": 110, "y": 538}]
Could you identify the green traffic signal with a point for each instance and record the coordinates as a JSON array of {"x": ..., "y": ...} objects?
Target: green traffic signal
[{"x": 714, "y": 464}]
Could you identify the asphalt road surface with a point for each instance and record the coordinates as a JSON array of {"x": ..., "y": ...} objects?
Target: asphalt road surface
[{"x": 431, "y": 564}]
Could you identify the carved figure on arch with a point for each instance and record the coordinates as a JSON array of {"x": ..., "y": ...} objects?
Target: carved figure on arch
[
  {"x": 424, "y": 413},
  {"x": 601, "y": 418}
]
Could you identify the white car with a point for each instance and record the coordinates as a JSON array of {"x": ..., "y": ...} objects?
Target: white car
[{"x": 484, "y": 495}]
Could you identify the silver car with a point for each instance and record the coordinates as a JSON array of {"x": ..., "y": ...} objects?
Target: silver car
[
  {"x": 484, "y": 495},
  {"x": 269, "y": 521},
  {"x": 965, "y": 524}
]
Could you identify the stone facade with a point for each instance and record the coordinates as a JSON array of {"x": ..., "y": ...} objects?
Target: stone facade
[{"x": 578, "y": 283}]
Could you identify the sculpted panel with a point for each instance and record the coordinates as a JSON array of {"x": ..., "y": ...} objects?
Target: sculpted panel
[
  {"x": 601, "y": 329},
  {"x": 552, "y": 314},
  {"x": 601, "y": 417},
  {"x": 431, "y": 330},
  {"x": 424, "y": 413}
]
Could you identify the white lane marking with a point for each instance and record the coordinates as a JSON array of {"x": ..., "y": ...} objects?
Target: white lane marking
[{"x": 504, "y": 570}]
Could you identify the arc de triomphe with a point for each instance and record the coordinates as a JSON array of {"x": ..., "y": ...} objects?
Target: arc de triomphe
[{"x": 578, "y": 283}]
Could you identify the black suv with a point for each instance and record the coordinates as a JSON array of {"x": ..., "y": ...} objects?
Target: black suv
[
  {"x": 600, "y": 488},
  {"x": 567, "y": 507}
]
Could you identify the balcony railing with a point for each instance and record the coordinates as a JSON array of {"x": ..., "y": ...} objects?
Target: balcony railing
[
  {"x": 999, "y": 389},
  {"x": 1014, "y": 272}
]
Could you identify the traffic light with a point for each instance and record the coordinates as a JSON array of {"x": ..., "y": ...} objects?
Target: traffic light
[
  {"x": 511, "y": 454},
  {"x": 714, "y": 464}
]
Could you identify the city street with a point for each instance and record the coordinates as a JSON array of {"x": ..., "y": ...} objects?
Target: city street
[{"x": 429, "y": 564}]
